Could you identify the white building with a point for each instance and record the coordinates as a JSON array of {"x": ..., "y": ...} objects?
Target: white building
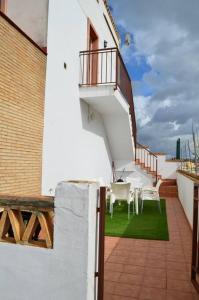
[{"x": 87, "y": 124}]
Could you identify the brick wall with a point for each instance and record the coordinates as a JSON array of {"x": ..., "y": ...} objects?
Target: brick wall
[{"x": 22, "y": 85}]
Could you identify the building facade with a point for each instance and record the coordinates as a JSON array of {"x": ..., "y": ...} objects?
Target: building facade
[
  {"x": 22, "y": 92},
  {"x": 88, "y": 113}
]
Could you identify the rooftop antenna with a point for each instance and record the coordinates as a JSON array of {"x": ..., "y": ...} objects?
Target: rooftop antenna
[{"x": 128, "y": 39}]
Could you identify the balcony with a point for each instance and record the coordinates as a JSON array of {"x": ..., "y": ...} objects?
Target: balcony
[{"x": 106, "y": 86}]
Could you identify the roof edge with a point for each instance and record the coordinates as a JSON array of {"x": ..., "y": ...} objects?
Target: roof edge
[{"x": 22, "y": 32}]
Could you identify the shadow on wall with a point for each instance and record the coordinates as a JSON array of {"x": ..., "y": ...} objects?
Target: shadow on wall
[{"x": 93, "y": 122}]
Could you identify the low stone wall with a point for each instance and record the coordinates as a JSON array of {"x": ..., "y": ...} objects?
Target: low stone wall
[
  {"x": 67, "y": 269},
  {"x": 185, "y": 182}
]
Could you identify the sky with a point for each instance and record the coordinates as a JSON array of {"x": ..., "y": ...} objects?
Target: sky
[{"x": 163, "y": 62}]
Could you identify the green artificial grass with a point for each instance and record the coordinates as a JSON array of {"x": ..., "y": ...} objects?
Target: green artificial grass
[{"x": 149, "y": 225}]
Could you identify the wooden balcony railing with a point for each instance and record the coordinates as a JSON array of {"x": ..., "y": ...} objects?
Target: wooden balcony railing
[
  {"x": 27, "y": 220},
  {"x": 106, "y": 67}
]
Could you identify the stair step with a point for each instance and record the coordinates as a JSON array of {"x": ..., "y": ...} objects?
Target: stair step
[
  {"x": 137, "y": 162},
  {"x": 169, "y": 182},
  {"x": 146, "y": 168},
  {"x": 170, "y": 195},
  {"x": 152, "y": 172},
  {"x": 168, "y": 191},
  {"x": 168, "y": 188}
]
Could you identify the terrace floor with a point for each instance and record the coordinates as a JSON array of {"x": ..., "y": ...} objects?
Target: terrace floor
[{"x": 148, "y": 269}]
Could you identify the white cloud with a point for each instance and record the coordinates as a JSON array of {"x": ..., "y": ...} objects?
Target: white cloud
[
  {"x": 142, "y": 114},
  {"x": 175, "y": 125},
  {"x": 166, "y": 33}
]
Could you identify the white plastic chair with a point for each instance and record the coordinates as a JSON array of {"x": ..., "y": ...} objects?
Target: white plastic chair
[
  {"x": 151, "y": 193},
  {"x": 136, "y": 186},
  {"x": 152, "y": 188},
  {"x": 121, "y": 191}
]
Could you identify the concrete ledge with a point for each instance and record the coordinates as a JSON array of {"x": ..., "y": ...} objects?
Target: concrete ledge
[
  {"x": 191, "y": 176},
  {"x": 159, "y": 153},
  {"x": 174, "y": 160},
  {"x": 22, "y": 32}
]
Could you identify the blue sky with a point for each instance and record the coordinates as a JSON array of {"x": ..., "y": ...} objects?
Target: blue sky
[
  {"x": 137, "y": 64},
  {"x": 136, "y": 68},
  {"x": 163, "y": 62}
]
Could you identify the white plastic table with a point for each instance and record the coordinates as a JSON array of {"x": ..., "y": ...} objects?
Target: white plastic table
[
  {"x": 136, "y": 200},
  {"x": 136, "y": 187}
]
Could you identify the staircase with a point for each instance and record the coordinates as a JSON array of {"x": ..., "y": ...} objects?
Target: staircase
[
  {"x": 147, "y": 161},
  {"x": 169, "y": 188}
]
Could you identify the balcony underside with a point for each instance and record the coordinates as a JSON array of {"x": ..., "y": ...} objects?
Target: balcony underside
[{"x": 114, "y": 110}]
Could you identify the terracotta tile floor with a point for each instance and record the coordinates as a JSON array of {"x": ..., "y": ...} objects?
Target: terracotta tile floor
[{"x": 151, "y": 270}]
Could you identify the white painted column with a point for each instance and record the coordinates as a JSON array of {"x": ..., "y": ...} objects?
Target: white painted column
[{"x": 76, "y": 220}]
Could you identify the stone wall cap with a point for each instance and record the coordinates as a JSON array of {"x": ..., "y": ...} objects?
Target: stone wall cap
[
  {"x": 159, "y": 153},
  {"x": 191, "y": 176},
  {"x": 174, "y": 160}
]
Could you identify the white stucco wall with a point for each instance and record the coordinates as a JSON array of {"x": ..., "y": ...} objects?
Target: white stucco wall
[
  {"x": 114, "y": 109},
  {"x": 185, "y": 193},
  {"x": 66, "y": 271},
  {"x": 167, "y": 168},
  {"x": 126, "y": 169},
  {"x": 169, "y": 171},
  {"x": 74, "y": 146},
  {"x": 119, "y": 134},
  {"x": 31, "y": 16}
]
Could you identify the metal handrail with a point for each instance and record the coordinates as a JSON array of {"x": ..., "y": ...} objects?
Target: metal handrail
[
  {"x": 142, "y": 146},
  {"x": 152, "y": 165},
  {"x": 123, "y": 64},
  {"x": 105, "y": 50},
  {"x": 98, "y": 50}
]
